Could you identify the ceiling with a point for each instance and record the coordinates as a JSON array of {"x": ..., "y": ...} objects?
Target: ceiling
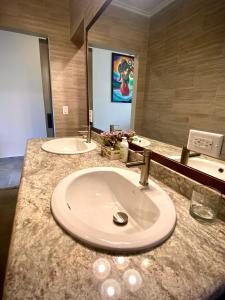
[{"x": 146, "y": 8}]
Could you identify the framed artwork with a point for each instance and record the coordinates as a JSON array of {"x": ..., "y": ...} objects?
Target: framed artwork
[{"x": 122, "y": 78}]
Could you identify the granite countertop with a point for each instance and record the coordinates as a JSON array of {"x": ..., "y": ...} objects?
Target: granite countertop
[
  {"x": 163, "y": 148},
  {"x": 46, "y": 263}
]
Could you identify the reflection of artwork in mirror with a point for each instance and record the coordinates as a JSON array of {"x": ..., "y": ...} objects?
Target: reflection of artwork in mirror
[{"x": 122, "y": 78}]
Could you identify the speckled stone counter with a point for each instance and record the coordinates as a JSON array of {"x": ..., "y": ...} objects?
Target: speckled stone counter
[{"x": 46, "y": 263}]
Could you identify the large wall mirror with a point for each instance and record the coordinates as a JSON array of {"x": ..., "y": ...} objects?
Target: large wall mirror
[{"x": 158, "y": 67}]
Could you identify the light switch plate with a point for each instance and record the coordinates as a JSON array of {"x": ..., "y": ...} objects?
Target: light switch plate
[
  {"x": 207, "y": 143},
  {"x": 65, "y": 110},
  {"x": 90, "y": 115}
]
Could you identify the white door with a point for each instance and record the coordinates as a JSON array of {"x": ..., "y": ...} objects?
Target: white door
[{"x": 22, "y": 114}]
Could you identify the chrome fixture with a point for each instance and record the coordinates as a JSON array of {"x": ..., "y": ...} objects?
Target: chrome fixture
[
  {"x": 112, "y": 127},
  {"x": 86, "y": 134},
  {"x": 185, "y": 154},
  {"x": 89, "y": 134},
  {"x": 145, "y": 163},
  {"x": 120, "y": 218}
]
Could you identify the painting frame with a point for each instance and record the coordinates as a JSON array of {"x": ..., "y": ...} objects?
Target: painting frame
[{"x": 116, "y": 94}]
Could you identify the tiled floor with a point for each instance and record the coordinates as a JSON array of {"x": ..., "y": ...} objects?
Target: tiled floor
[{"x": 10, "y": 171}]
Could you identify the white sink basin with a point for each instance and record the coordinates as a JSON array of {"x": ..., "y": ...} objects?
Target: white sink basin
[
  {"x": 84, "y": 203},
  {"x": 210, "y": 167},
  {"x": 140, "y": 141},
  {"x": 74, "y": 145}
]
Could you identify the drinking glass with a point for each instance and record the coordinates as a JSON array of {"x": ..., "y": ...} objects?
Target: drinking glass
[{"x": 205, "y": 203}]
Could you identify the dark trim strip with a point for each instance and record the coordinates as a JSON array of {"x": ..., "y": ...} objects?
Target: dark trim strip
[
  {"x": 135, "y": 147},
  {"x": 98, "y": 14},
  {"x": 99, "y": 131}
]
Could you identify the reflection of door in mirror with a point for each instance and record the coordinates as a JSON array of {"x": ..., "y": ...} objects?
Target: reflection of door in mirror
[{"x": 111, "y": 88}]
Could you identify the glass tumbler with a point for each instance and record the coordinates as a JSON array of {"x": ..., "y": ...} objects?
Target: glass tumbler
[{"x": 205, "y": 203}]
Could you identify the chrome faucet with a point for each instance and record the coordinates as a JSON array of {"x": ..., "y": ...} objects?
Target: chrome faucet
[
  {"x": 86, "y": 133},
  {"x": 185, "y": 154},
  {"x": 88, "y": 140},
  {"x": 112, "y": 127},
  {"x": 145, "y": 163}
]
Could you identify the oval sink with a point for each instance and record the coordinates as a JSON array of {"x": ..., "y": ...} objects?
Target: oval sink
[
  {"x": 213, "y": 168},
  {"x": 140, "y": 141},
  {"x": 85, "y": 202},
  {"x": 73, "y": 145}
]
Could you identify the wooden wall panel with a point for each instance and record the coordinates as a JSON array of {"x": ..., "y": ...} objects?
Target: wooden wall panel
[
  {"x": 185, "y": 86},
  {"x": 83, "y": 9},
  {"x": 122, "y": 30},
  {"x": 67, "y": 62}
]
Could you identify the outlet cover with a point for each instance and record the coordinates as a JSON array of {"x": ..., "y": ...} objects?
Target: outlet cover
[
  {"x": 207, "y": 143},
  {"x": 65, "y": 110}
]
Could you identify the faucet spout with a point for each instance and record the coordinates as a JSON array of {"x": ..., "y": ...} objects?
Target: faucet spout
[
  {"x": 86, "y": 133},
  {"x": 112, "y": 127},
  {"x": 134, "y": 164},
  {"x": 145, "y": 167},
  {"x": 185, "y": 155},
  {"x": 89, "y": 134}
]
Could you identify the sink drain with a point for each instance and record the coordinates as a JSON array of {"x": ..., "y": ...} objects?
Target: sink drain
[
  {"x": 120, "y": 218},
  {"x": 221, "y": 170}
]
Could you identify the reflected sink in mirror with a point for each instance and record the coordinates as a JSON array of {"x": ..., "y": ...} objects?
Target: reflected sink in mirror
[
  {"x": 73, "y": 145},
  {"x": 85, "y": 202},
  {"x": 140, "y": 141},
  {"x": 213, "y": 168}
]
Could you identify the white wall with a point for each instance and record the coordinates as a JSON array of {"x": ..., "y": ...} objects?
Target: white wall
[
  {"x": 106, "y": 112},
  {"x": 22, "y": 113}
]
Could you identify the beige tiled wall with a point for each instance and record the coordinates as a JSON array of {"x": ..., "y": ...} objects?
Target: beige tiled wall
[
  {"x": 185, "y": 86},
  {"x": 83, "y": 9}
]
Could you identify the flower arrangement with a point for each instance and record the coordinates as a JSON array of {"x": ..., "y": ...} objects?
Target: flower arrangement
[{"x": 111, "y": 139}]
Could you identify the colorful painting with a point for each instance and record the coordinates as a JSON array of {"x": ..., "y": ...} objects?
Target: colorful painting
[{"x": 122, "y": 78}]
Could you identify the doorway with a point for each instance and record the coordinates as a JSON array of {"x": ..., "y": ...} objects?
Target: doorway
[{"x": 25, "y": 92}]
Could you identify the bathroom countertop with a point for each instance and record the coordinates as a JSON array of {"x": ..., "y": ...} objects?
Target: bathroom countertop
[
  {"x": 163, "y": 148},
  {"x": 46, "y": 263}
]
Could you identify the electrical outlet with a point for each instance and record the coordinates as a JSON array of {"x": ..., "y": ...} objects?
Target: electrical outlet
[
  {"x": 202, "y": 143},
  {"x": 205, "y": 142},
  {"x": 65, "y": 110}
]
